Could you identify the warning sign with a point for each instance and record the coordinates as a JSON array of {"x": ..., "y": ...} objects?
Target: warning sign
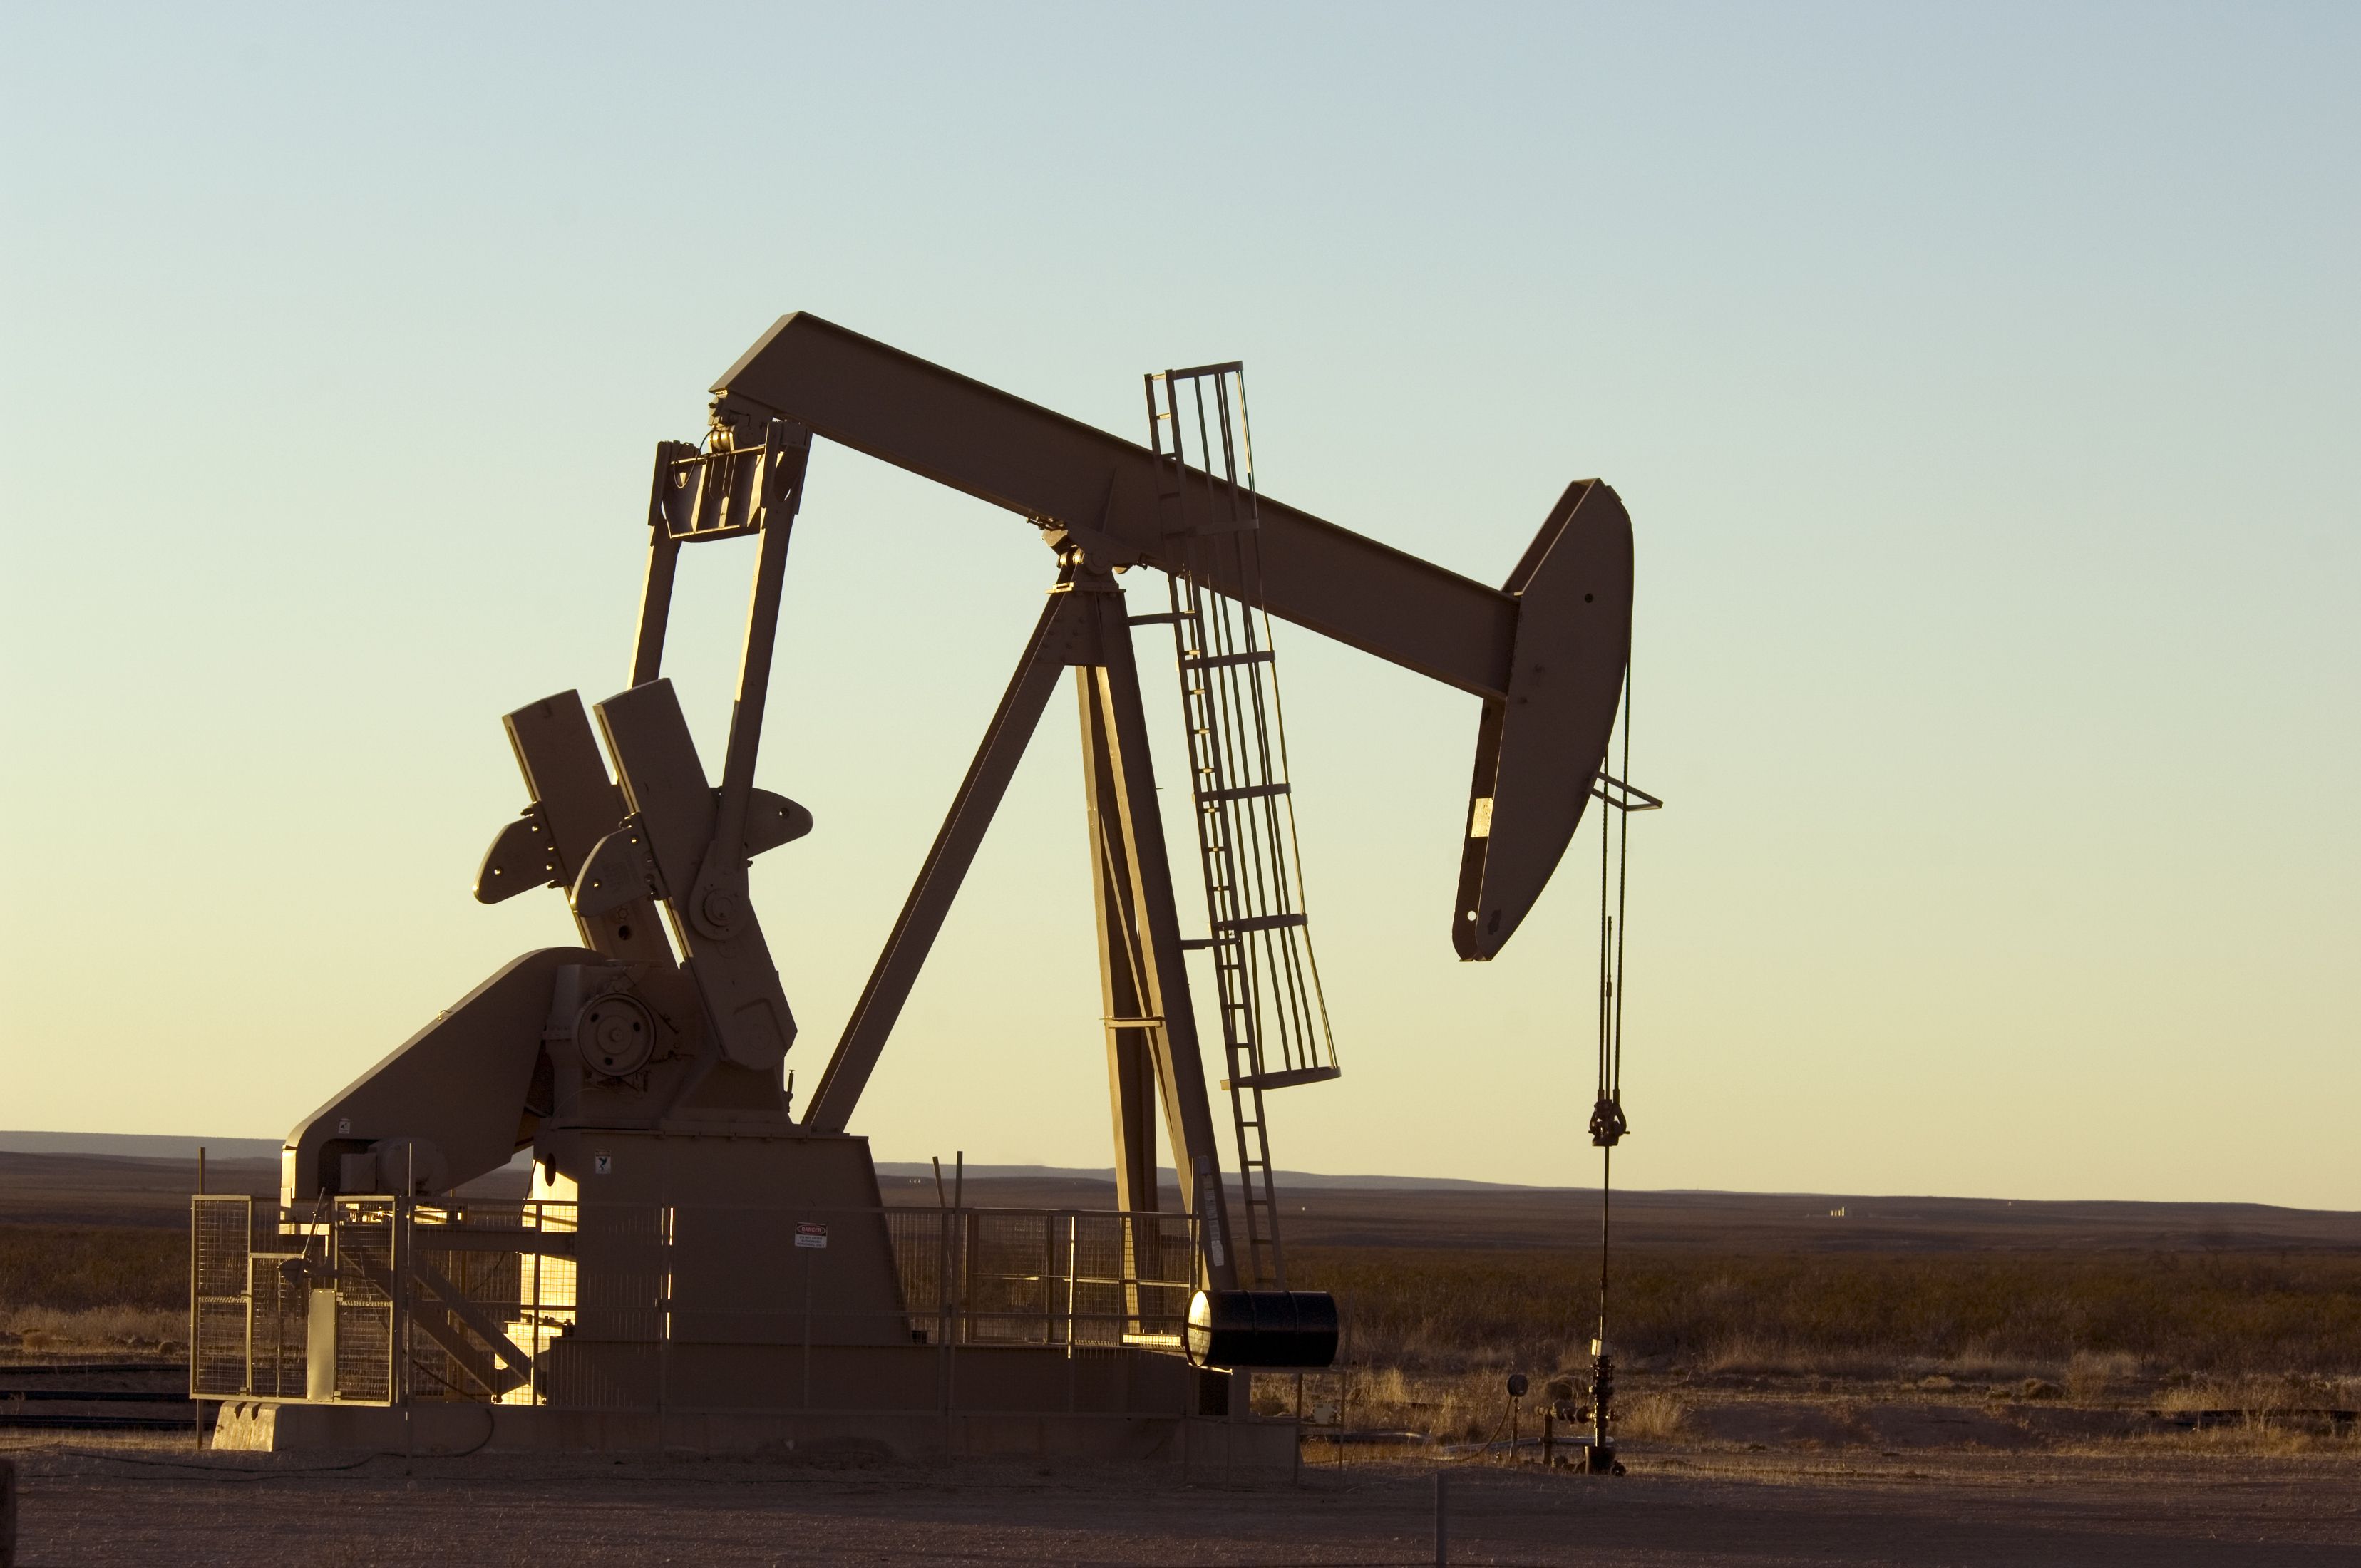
[
  {"x": 602, "y": 1164},
  {"x": 809, "y": 1235}
]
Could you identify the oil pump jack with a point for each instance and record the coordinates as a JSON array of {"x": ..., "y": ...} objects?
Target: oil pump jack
[{"x": 693, "y": 1251}]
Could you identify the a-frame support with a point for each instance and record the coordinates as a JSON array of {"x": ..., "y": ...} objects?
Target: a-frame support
[{"x": 1151, "y": 1030}]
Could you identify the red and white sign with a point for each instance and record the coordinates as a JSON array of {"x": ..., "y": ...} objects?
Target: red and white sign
[{"x": 810, "y": 1235}]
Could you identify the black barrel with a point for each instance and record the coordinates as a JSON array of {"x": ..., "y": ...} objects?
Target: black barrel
[{"x": 1262, "y": 1328}]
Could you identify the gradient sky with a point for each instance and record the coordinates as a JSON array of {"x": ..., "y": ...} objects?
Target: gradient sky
[{"x": 1980, "y": 380}]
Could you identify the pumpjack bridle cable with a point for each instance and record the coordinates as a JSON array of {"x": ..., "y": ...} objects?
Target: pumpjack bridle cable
[{"x": 1608, "y": 1123}]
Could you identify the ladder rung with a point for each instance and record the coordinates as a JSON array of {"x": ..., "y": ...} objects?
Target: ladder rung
[
  {"x": 1244, "y": 791},
  {"x": 1287, "y": 1080},
  {"x": 1133, "y": 1022},
  {"x": 1258, "y": 923},
  {"x": 1259, "y": 656}
]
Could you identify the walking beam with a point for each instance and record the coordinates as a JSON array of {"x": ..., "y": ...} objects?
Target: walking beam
[{"x": 1546, "y": 653}]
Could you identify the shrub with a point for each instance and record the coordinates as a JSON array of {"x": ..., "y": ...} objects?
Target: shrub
[
  {"x": 77, "y": 1267},
  {"x": 1996, "y": 1314}
]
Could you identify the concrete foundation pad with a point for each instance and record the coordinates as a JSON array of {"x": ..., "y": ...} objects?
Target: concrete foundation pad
[{"x": 457, "y": 1428}]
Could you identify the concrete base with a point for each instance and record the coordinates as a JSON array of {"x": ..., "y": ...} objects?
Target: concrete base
[{"x": 454, "y": 1428}]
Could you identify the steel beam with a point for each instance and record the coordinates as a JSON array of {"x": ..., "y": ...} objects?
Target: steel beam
[
  {"x": 1546, "y": 653},
  {"x": 664, "y": 563},
  {"x": 946, "y": 866},
  {"x": 1116, "y": 724},
  {"x": 1150, "y": 1026},
  {"x": 722, "y": 946},
  {"x": 896, "y": 407},
  {"x": 1123, "y": 983}
]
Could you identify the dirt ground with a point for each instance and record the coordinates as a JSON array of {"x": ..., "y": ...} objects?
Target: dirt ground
[{"x": 137, "y": 1501}]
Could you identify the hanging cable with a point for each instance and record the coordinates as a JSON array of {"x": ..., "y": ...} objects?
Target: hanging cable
[{"x": 1608, "y": 1123}]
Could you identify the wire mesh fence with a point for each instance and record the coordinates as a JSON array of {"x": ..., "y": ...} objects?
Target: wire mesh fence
[
  {"x": 220, "y": 1238},
  {"x": 379, "y": 1299},
  {"x": 277, "y": 1341}
]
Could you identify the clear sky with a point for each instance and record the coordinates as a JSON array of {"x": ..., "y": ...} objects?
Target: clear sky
[{"x": 1980, "y": 380}]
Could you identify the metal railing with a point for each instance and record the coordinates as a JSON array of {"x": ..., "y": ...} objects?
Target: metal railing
[{"x": 381, "y": 1299}]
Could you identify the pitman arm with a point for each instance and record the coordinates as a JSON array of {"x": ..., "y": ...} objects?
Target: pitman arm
[{"x": 1546, "y": 653}]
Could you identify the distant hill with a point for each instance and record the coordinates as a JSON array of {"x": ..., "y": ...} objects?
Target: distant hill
[
  {"x": 139, "y": 1146},
  {"x": 156, "y": 1145},
  {"x": 89, "y": 1184},
  {"x": 1292, "y": 1179}
]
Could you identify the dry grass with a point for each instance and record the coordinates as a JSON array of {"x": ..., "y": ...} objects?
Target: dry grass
[
  {"x": 2096, "y": 1374},
  {"x": 2259, "y": 1436},
  {"x": 1463, "y": 1407},
  {"x": 1660, "y": 1416},
  {"x": 73, "y": 1267},
  {"x": 2265, "y": 1394},
  {"x": 1756, "y": 1356},
  {"x": 1431, "y": 1335},
  {"x": 1982, "y": 1316},
  {"x": 1469, "y": 1407},
  {"x": 52, "y": 1328},
  {"x": 89, "y": 1286}
]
